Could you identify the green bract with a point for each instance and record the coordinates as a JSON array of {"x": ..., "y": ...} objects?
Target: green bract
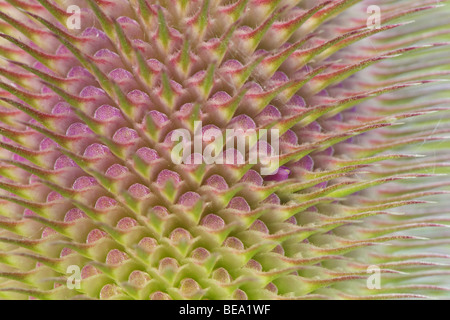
[{"x": 95, "y": 204}]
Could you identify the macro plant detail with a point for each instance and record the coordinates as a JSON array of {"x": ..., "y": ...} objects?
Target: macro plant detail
[{"x": 95, "y": 204}]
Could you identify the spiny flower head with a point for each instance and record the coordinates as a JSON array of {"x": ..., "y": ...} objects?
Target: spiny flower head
[{"x": 114, "y": 118}]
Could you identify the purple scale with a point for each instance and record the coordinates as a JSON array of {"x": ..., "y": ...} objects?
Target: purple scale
[
  {"x": 260, "y": 226},
  {"x": 253, "y": 264},
  {"x": 213, "y": 222},
  {"x": 64, "y": 162},
  {"x": 126, "y": 223},
  {"x": 160, "y": 211},
  {"x": 219, "y": 98},
  {"x": 305, "y": 69},
  {"x": 78, "y": 129},
  {"x": 292, "y": 220},
  {"x": 96, "y": 150},
  {"x": 168, "y": 263},
  {"x": 39, "y": 66},
  {"x": 33, "y": 121},
  {"x": 175, "y": 33},
  {"x": 106, "y": 112},
  {"x": 338, "y": 117},
  {"x": 194, "y": 159},
  {"x": 148, "y": 244},
  {"x": 95, "y": 235},
  {"x": 297, "y": 101},
  {"x": 200, "y": 254},
  {"x": 314, "y": 126},
  {"x": 17, "y": 158},
  {"x": 168, "y": 137},
  {"x": 106, "y": 54},
  {"x": 253, "y": 88},
  {"x": 74, "y": 214},
  {"x": 123, "y": 20},
  {"x": 140, "y": 45},
  {"x": 47, "y": 143},
  {"x": 263, "y": 148},
  {"x": 197, "y": 77},
  {"x": 89, "y": 271},
  {"x": 92, "y": 32},
  {"x": 272, "y": 199},
  {"x": 54, "y": 196},
  {"x": 62, "y": 51},
  {"x": 147, "y": 154},
  {"x": 210, "y": 132},
  {"x": 34, "y": 179},
  {"x": 176, "y": 87},
  {"x": 46, "y": 90},
  {"x": 29, "y": 213},
  {"x": 120, "y": 75},
  {"x": 306, "y": 163},
  {"x": 138, "y": 191},
  {"x": 66, "y": 252},
  {"x": 116, "y": 170},
  {"x": 179, "y": 235},
  {"x": 313, "y": 209},
  {"x": 217, "y": 182},
  {"x": 84, "y": 182},
  {"x": 158, "y": 118},
  {"x": 239, "y": 203},
  {"x": 125, "y": 135},
  {"x": 279, "y": 76},
  {"x": 234, "y": 243},
  {"x": 186, "y": 109},
  {"x": 282, "y": 175},
  {"x": 189, "y": 199},
  {"x": 244, "y": 30},
  {"x": 289, "y": 137},
  {"x": 268, "y": 115},
  {"x": 79, "y": 72},
  {"x": 232, "y": 64},
  {"x": 259, "y": 52},
  {"x": 253, "y": 177},
  {"x": 271, "y": 287},
  {"x": 48, "y": 232},
  {"x": 233, "y": 157},
  {"x": 279, "y": 249},
  {"x": 138, "y": 97},
  {"x": 243, "y": 122},
  {"x": 62, "y": 108},
  {"x": 104, "y": 202},
  {"x": 321, "y": 185},
  {"x": 165, "y": 175},
  {"x": 350, "y": 140},
  {"x": 116, "y": 257},
  {"x": 323, "y": 93},
  {"x": 155, "y": 65},
  {"x": 91, "y": 91}
]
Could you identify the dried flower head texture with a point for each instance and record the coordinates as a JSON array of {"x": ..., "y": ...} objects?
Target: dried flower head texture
[{"x": 93, "y": 206}]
